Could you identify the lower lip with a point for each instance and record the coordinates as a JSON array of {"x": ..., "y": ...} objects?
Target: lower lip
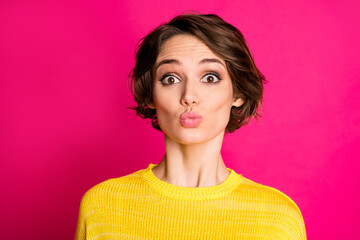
[{"x": 190, "y": 122}]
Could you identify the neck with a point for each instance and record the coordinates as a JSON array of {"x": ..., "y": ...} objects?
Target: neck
[{"x": 192, "y": 165}]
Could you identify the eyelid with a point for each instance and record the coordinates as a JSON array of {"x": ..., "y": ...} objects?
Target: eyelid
[
  {"x": 214, "y": 74},
  {"x": 168, "y": 75}
]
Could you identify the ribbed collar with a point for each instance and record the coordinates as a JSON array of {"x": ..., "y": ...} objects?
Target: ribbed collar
[{"x": 190, "y": 193}]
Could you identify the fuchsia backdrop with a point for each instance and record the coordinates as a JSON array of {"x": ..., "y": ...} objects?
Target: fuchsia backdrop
[{"x": 64, "y": 126}]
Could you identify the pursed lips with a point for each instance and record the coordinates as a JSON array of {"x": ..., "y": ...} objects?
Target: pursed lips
[{"x": 190, "y": 119}]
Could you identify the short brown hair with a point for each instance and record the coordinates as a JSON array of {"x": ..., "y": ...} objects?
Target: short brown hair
[{"x": 224, "y": 40}]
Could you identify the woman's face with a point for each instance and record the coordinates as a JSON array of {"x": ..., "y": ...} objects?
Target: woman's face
[{"x": 189, "y": 77}]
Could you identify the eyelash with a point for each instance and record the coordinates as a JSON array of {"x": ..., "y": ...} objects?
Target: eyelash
[
  {"x": 165, "y": 76},
  {"x": 216, "y": 75},
  {"x": 209, "y": 73}
]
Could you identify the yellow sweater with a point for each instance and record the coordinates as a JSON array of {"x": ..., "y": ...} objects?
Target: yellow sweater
[{"x": 141, "y": 206}]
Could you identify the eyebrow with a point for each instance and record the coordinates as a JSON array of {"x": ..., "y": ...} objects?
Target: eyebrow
[
  {"x": 174, "y": 61},
  {"x": 211, "y": 60},
  {"x": 168, "y": 61}
]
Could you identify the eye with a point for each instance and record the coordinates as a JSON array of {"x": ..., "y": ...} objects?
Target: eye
[
  {"x": 211, "y": 78},
  {"x": 169, "y": 79}
]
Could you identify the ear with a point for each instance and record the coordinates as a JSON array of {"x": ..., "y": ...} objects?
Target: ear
[
  {"x": 150, "y": 104},
  {"x": 238, "y": 102}
]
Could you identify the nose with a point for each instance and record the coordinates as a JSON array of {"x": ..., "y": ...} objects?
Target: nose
[{"x": 190, "y": 94}]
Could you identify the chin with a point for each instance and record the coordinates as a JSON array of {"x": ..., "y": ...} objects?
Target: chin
[{"x": 193, "y": 137}]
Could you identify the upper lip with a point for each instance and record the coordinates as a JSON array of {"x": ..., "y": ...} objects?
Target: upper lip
[{"x": 191, "y": 115}]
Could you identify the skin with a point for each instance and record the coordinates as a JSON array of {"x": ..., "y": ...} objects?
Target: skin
[{"x": 192, "y": 157}]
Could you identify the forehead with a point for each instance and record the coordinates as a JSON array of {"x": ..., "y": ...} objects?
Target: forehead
[{"x": 185, "y": 46}]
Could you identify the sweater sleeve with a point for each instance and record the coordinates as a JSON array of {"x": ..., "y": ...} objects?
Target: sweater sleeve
[
  {"x": 294, "y": 224},
  {"x": 80, "y": 233},
  {"x": 291, "y": 218},
  {"x": 285, "y": 214},
  {"x": 299, "y": 231}
]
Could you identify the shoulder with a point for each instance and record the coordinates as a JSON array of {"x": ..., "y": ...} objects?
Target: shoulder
[
  {"x": 269, "y": 194},
  {"x": 274, "y": 206},
  {"x": 106, "y": 190}
]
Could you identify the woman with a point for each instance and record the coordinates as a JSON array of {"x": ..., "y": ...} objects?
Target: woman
[{"x": 195, "y": 78}]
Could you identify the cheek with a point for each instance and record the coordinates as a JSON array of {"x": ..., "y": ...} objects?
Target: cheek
[
  {"x": 222, "y": 113},
  {"x": 165, "y": 105},
  {"x": 219, "y": 110},
  {"x": 162, "y": 100},
  {"x": 220, "y": 101}
]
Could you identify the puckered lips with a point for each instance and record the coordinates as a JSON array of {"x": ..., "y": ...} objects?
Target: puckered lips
[{"x": 190, "y": 119}]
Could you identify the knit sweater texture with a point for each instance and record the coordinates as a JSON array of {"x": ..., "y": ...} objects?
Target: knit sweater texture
[{"x": 141, "y": 206}]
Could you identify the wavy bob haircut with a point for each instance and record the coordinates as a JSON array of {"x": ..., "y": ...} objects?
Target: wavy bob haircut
[{"x": 224, "y": 40}]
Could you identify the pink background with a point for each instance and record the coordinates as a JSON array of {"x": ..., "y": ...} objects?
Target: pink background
[{"x": 64, "y": 126}]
